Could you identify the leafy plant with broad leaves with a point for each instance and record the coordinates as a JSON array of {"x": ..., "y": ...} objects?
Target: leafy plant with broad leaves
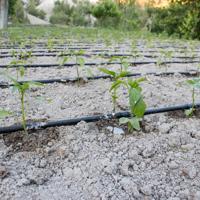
[
  {"x": 136, "y": 104},
  {"x": 195, "y": 84}
]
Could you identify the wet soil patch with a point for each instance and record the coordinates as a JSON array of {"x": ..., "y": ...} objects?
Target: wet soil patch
[
  {"x": 32, "y": 141},
  {"x": 104, "y": 124},
  {"x": 181, "y": 114}
]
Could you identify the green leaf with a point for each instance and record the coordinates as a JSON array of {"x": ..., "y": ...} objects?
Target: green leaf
[
  {"x": 81, "y": 62},
  {"x": 22, "y": 71},
  {"x": 189, "y": 112},
  {"x": 25, "y": 86},
  {"x": 122, "y": 74},
  {"x": 135, "y": 123},
  {"x": 64, "y": 60},
  {"x": 137, "y": 104},
  {"x": 134, "y": 84},
  {"x": 123, "y": 120},
  {"x": 113, "y": 58},
  {"x": 4, "y": 113},
  {"x": 35, "y": 84},
  {"x": 194, "y": 82},
  {"x": 109, "y": 72},
  {"x": 125, "y": 65},
  {"x": 116, "y": 84},
  {"x": 80, "y": 52}
]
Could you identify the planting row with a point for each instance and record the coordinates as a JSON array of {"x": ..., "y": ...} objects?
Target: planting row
[
  {"x": 56, "y": 101},
  {"x": 85, "y": 71}
]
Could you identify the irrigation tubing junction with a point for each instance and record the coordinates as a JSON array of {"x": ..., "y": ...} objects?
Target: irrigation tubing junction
[
  {"x": 73, "y": 80},
  {"x": 94, "y": 118}
]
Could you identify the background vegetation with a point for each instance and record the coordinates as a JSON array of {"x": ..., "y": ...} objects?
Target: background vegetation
[{"x": 181, "y": 18}]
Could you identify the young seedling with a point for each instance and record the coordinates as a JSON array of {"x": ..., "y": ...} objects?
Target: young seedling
[
  {"x": 80, "y": 62},
  {"x": 117, "y": 82},
  {"x": 22, "y": 89},
  {"x": 136, "y": 104},
  {"x": 50, "y": 45},
  {"x": 20, "y": 70},
  {"x": 167, "y": 55},
  {"x": 195, "y": 84},
  {"x": 63, "y": 60},
  {"x": 134, "y": 51}
]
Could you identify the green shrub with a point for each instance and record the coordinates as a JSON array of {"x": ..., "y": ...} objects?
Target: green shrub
[
  {"x": 190, "y": 27},
  {"x": 167, "y": 19},
  {"x": 107, "y": 13},
  {"x": 11, "y": 7},
  {"x": 182, "y": 18}
]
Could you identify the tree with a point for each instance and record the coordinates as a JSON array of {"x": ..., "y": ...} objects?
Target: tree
[
  {"x": 3, "y": 13},
  {"x": 190, "y": 27},
  {"x": 11, "y": 7}
]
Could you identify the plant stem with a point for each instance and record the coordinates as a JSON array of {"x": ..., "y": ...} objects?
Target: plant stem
[
  {"x": 23, "y": 113},
  {"x": 77, "y": 71},
  {"x": 193, "y": 98},
  {"x": 114, "y": 100}
]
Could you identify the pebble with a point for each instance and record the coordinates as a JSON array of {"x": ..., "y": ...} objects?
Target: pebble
[
  {"x": 173, "y": 165},
  {"x": 192, "y": 173},
  {"x": 115, "y": 130},
  {"x": 146, "y": 190},
  {"x": 62, "y": 151},
  {"x": 130, "y": 187}
]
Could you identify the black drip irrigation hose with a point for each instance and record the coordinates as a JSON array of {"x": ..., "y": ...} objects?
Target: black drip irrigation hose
[
  {"x": 94, "y": 118},
  {"x": 97, "y": 64},
  {"x": 84, "y": 45},
  {"x": 106, "y": 55},
  {"x": 58, "y": 50},
  {"x": 73, "y": 80},
  {"x": 53, "y": 50},
  {"x": 30, "y": 47}
]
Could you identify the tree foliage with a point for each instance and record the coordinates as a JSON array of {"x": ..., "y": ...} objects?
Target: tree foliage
[{"x": 181, "y": 17}]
